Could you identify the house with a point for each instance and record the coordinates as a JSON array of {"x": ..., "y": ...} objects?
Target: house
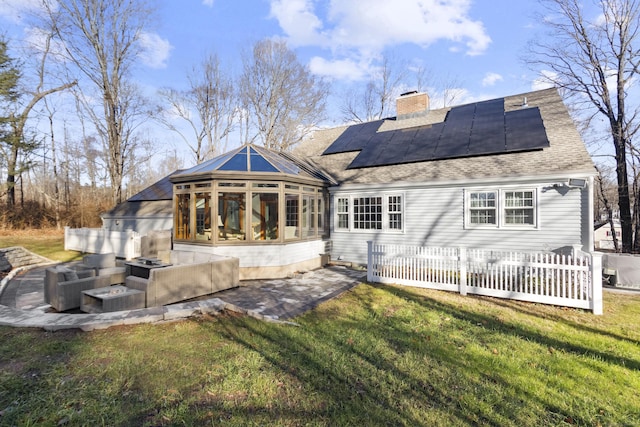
[
  {"x": 510, "y": 173},
  {"x": 150, "y": 209},
  {"x": 603, "y": 236}
]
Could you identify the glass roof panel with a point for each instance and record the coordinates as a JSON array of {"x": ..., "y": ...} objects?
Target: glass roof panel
[
  {"x": 280, "y": 162},
  {"x": 260, "y": 159},
  {"x": 210, "y": 165},
  {"x": 237, "y": 163},
  {"x": 260, "y": 164}
]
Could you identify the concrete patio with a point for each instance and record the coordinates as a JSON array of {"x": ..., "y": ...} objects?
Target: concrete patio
[{"x": 22, "y": 301}]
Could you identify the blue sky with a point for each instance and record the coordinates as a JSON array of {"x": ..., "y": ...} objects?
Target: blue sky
[{"x": 479, "y": 44}]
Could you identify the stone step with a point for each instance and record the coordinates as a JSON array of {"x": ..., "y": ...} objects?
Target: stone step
[{"x": 18, "y": 256}]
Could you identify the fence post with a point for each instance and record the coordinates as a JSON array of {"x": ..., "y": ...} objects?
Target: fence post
[
  {"x": 369, "y": 261},
  {"x": 462, "y": 269},
  {"x": 129, "y": 245},
  {"x": 596, "y": 285},
  {"x": 66, "y": 237}
]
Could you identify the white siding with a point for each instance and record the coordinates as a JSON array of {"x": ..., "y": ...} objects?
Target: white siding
[
  {"x": 140, "y": 225},
  {"x": 436, "y": 217},
  {"x": 264, "y": 255}
]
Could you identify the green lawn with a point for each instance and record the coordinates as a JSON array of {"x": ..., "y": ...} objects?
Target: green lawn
[
  {"x": 377, "y": 355},
  {"x": 48, "y": 243}
]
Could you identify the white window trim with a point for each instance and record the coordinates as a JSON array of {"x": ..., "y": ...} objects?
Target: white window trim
[
  {"x": 500, "y": 209},
  {"x": 385, "y": 213}
]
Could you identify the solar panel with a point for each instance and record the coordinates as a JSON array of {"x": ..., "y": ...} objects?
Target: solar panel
[
  {"x": 424, "y": 144},
  {"x": 368, "y": 157},
  {"x": 525, "y": 130},
  {"x": 487, "y": 135},
  {"x": 354, "y": 138},
  {"x": 454, "y": 139},
  {"x": 476, "y": 129},
  {"x": 492, "y": 107}
]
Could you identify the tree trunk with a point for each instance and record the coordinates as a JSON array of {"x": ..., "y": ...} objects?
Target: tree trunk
[{"x": 624, "y": 202}]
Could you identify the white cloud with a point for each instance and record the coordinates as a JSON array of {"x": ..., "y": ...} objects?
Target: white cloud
[
  {"x": 544, "y": 80},
  {"x": 376, "y": 24},
  {"x": 15, "y": 10},
  {"x": 207, "y": 3},
  {"x": 339, "y": 69},
  {"x": 155, "y": 50},
  {"x": 491, "y": 79},
  {"x": 37, "y": 39},
  {"x": 297, "y": 20},
  {"x": 357, "y": 31}
]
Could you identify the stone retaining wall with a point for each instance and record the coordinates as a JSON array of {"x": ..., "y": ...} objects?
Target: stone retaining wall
[{"x": 18, "y": 256}]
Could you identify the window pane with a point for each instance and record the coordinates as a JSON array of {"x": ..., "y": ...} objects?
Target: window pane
[
  {"x": 514, "y": 199},
  {"x": 483, "y": 216},
  {"x": 182, "y": 217},
  {"x": 367, "y": 213},
  {"x": 395, "y": 212},
  {"x": 483, "y": 200},
  {"x": 519, "y": 216},
  {"x": 203, "y": 216},
  {"x": 519, "y": 207},
  {"x": 320, "y": 214},
  {"x": 231, "y": 216},
  {"x": 482, "y": 208},
  {"x": 264, "y": 216},
  {"x": 308, "y": 216},
  {"x": 342, "y": 209},
  {"x": 292, "y": 206}
]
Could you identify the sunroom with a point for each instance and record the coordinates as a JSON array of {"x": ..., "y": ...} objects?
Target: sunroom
[{"x": 267, "y": 208}]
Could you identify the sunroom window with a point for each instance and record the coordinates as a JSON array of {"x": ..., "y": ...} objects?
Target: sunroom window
[
  {"x": 250, "y": 195},
  {"x": 264, "y": 216},
  {"x": 183, "y": 216},
  {"x": 231, "y": 214},
  {"x": 292, "y": 206}
]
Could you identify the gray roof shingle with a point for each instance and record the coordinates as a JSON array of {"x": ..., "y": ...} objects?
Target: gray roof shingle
[{"x": 566, "y": 152}]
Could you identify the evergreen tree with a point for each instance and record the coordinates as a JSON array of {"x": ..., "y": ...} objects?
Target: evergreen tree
[{"x": 9, "y": 96}]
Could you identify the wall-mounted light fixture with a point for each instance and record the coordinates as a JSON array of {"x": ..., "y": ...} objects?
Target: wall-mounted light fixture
[{"x": 577, "y": 183}]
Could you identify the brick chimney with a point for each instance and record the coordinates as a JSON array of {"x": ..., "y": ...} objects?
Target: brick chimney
[{"x": 412, "y": 104}]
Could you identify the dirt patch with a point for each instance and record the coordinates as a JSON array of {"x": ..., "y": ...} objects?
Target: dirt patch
[{"x": 34, "y": 232}]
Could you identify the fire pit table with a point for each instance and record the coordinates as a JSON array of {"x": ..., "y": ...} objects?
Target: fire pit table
[
  {"x": 142, "y": 266},
  {"x": 112, "y": 298}
]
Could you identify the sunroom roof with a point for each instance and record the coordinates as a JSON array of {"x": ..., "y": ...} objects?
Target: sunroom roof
[{"x": 251, "y": 158}]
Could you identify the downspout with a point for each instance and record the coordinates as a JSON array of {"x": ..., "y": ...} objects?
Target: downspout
[{"x": 590, "y": 244}]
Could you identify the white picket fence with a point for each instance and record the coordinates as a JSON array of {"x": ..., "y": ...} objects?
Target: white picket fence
[
  {"x": 548, "y": 278},
  {"x": 125, "y": 244}
]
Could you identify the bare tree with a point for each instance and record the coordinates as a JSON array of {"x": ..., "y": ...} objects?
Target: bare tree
[
  {"x": 101, "y": 38},
  {"x": 597, "y": 61},
  {"x": 208, "y": 109},
  {"x": 376, "y": 99},
  {"x": 15, "y": 142},
  {"x": 285, "y": 101}
]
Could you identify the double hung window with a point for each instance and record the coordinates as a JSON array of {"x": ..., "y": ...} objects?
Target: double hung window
[{"x": 501, "y": 208}]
